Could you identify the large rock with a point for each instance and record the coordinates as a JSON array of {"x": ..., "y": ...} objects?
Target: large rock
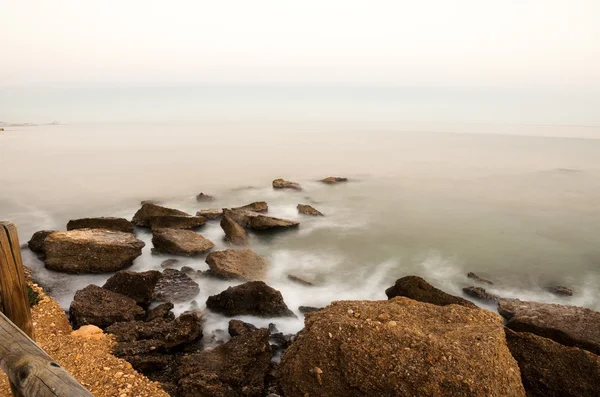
[
  {"x": 100, "y": 307},
  {"x": 253, "y": 298},
  {"x": 36, "y": 243},
  {"x": 330, "y": 180},
  {"x": 242, "y": 264},
  {"x": 237, "y": 368},
  {"x": 175, "y": 286},
  {"x": 416, "y": 288},
  {"x": 137, "y": 286},
  {"x": 234, "y": 233},
  {"x": 91, "y": 251},
  {"x": 176, "y": 221},
  {"x": 549, "y": 369},
  {"x": 108, "y": 223},
  {"x": 306, "y": 209},
  {"x": 143, "y": 215},
  {"x": 567, "y": 325},
  {"x": 283, "y": 184},
  {"x": 400, "y": 347},
  {"x": 210, "y": 214},
  {"x": 256, "y": 221},
  {"x": 179, "y": 242},
  {"x": 258, "y": 206}
]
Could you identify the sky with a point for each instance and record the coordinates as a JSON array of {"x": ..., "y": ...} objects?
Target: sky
[{"x": 425, "y": 42}]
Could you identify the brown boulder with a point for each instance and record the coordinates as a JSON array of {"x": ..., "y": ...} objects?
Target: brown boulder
[
  {"x": 282, "y": 184},
  {"x": 416, "y": 288},
  {"x": 480, "y": 293},
  {"x": 108, "y": 223},
  {"x": 36, "y": 243},
  {"x": 258, "y": 206},
  {"x": 149, "y": 210},
  {"x": 162, "y": 311},
  {"x": 238, "y": 327},
  {"x": 137, "y": 286},
  {"x": 475, "y": 277},
  {"x": 253, "y": 298},
  {"x": 210, "y": 214},
  {"x": 330, "y": 180},
  {"x": 234, "y": 233},
  {"x": 176, "y": 221},
  {"x": 242, "y": 264},
  {"x": 175, "y": 286},
  {"x": 179, "y": 242},
  {"x": 204, "y": 197},
  {"x": 399, "y": 347},
  {"x": 306, "y": 209},
  {"x": 256, "y": 221},
  {"x": 91, "y": 251}
]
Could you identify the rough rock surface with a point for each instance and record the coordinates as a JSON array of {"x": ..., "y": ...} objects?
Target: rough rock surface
[
  {"x": 306, "y": 209},
  {"x": 234, "y": 233},
  {"x": 149, "y": 210},
  {"x": 400, "y": 347},
  {"x": 137, "y": 286},
  {"x": 108, "y": 223},
  {"x": 475, "y": 277},
  {"x": 258, "y": 206},
  {"x": 98, "y": 306},
  {"x": 204, "y": 197},
  {"x": 334, "y": 179},
  {"x": 176, "y": 221},
  {"x": 567, "y": 325},
  {"x": 36, "y": 243},
  {"x": 283, "y": 184},
  {"x": 242, "y": 264},
  {"x": 91, "y": 251},
  {"x": 416, "y": 288},
  {"x": 161, "y": 311},
  {"x": 480, "y": 293},
  {"x": 549, "y": 369},
  {"x": 210, "y": 214},
  {"x": 253, "y": 298},
  {"x": 175, "y": 286},
  {"x": 238, "y": 327},
  {"x": 560, "y": 290},
  {"x": 256, "y": 221},
  {"x": 179, "y": 242}
]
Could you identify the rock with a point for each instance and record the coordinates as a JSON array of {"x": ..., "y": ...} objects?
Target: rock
[
  {"x": 162, "y": 311},
  {"x": 280, "y": 342},
  {"x": 176, "y": 222},
  {"x": 549, "y": 369},
  {"x": 179, "y": 242},
  {"x": 107, "y": 223},
  {"x": 560, "y": 290},
  {"x": 567, "y": 325},
  {"x": 149, "y": 210},
  {"x": 145, "y": 363},
  {"x": 416, "y": 288},
  {"x": 169, "y": 263},
  {"x": 137, "y": 286},
  {"x": 234, "y": 233},
  {"x": 204, "y": 197},
  {"x": 175, "y": 286},
  {"x": 253, "y": 298},
  {"x": 306, "y": 209},
  {"x": 282, "y": 184},
  {"x": 258, "y": 206},
  {"x": 36, "y": 243},
  {"x": 91, "y": 251},
  {"x": 101, "y": 307},
  {"x": 241, "y": 264},
  {"x": 238, "y": 327},
  {"x": 299, "y": 280},
  {"x": 189, "y": 271},
  {"x": 256, "y": 221},
  {"x": 480, "y": 293},
  {"x": 330, "y": 180},
  {"x": 237, "y": 368},
  {"x": 417, "y": 349},
  {"x": 210, "y": 214},
  {"x": 308, "y": 309},
  {"x": 478, "y": 279},
  {"x": 89, "y": 332}
]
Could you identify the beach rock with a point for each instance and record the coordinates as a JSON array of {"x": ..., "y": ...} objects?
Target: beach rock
[
  {"x": 210, "y": 214},
  {"x": 258, "y": 206},
  {"x": 416, "y": 288},
  {"x": 238, "y": 327},
  {"x": 108, "y": 223},
  {"x": 234, "y": 233},
  {"x": 560, "y": 290},
  {"x": 242, "y": 264},
  {"x": 480, "y": 293},
  {"x": 175, "y": 286},
  {"x": 330, "y": 180},
  {"x": 299, "y": 280},
  {"x": 176, "y": 222},
  {"x": 254, "y": 298},
  {"x": 549, "y": 369},
  {"x": 149, "y": 210},
  {"x": 189, "y": 271},
  {"x": 179, "y": 242},
  {"x": 236, "y": 368},
  {"x": 91, "y": 251},
  {"x": 306, "y": 209},
  {"x": 137, "y": 286},
  {"x": 256, "y": 221},
  {"x": 204, "y": 197},
  {"x": 475, "y": 277},
  {"x": 100, "y": 307},
  {"x": 567, "y": 325},
  {"x": 399, "y": 347},
  {"x": 162, "y": 311},
  {"x": 282, "y": 184},
  {"x": 308, "y": 309},
  {"x": 36, "y": 243},
  {"x": 169, "y": 263}
]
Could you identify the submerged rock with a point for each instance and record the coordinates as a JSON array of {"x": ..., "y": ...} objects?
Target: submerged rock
[
  {"x": 560, "y": 290},
  {"x": 416, "y": 288},
  {"x": 282, "y": 184},
  {"x": 299, "y": 280},
  {"x": 176, "y": 221},
  {"x": 169, "y": 263},
  {"x": 137, "y": 286},
  {"x": 308, "y": 210},
  {"x": 36, "y": 243},
  {"x": 258, "y": 206},
  {"x": 334, "y": 179},
  {"x": 91, "y": 251},
  {"x": 242, "y": 264},
  {"x": 480, "y": 293},
  {"x": 175, "y": 286},
  {"x": 143, "y": 215},
  {"x": 475, "y": 277},
  {"x": 256, "y": 221},
  {"x": 204, "y": 197},
  {"x": 309, "y": 309},
  {"x": 108, "y": 223},
  {"x": 253, "y": 298},
  {"x": 210, "y": 214},
  {"x": 234, "y": 233},
  {"x": 179, "y": 242}
]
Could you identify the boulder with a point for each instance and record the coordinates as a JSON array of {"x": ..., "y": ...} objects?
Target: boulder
[
  {"x": 400, "y": 347},
  {"x": 204, "y": 197},
  {"x": 256, "y": 221},
  {"x": 253, "y": 298},
  {"x": 36, "y": 243},
  {"x": 306, "y": 209},
  {"x": 560, "y": 290},
  {"x": 91, "y": 251},
  {"x": 176, "y": 221},
  {"x": 179, "y": 242},
  {"x": 162, "y": 311},
  {"x": 481, "y": 280},
  {"x": 567, "y": 325},
  {"x": 210, "y": 214},
  {"x": 234, "y": 233},
  {"x": 549, "y": 369},
  {"x": 100, "y": 307},
  {"x": 108, "y": 223},
  {"x": 238, "y": 327},
  {"x": 480, "y": 293},
  {"x": 258, "y": 206},
  {"x": 330, "y": 180},
  {"x": 242, "y": 264},
  {"x": 236, "y": 368},
  {"x": 416, "y": 288},
  {"x": 282, "y": 184},
  {"x": 299, "y": 280},
  {"x": 149, "y": 210},
  {"x": 137, "y": 286},
  {"x": 175, "y": 286}
]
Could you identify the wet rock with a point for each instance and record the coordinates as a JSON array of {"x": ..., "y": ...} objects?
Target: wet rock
[
  {"x": 169, "y": 263},
  {"x": 253, "y": 298},
  {"x": 567, "y": 325},
  {"x": 416, "y": 288},
  {"x": 258, "y": 206},
  {"x": 162, "y": 311},
  {"x": 549, "y": 369},
  {"x": 143, "y": 215},
  {"x": 107, "y": 223},
  {"x": 175, "y": 286},
  {"x": 238, "y": 327},
  {"x": 306, "y": 209},
  {"x": 280, "y": 342},
  {"x": 210, "y": 214},
  {"x": 100, "y": 307},
  {"x": 234, "y": 233},
  {"x": 308, "y": 309},
  {"x": 91, "y": 251},
  {"x": 137, "y": 286},
  {"x": 560, "y": 290},
  {"x": 189, "y": 271},
  {"x": 256, "y": 221},
  {"x": 242, "y": 264},
  {"x": 282, "y": 184},
  {"x": 36, "y": 243},
  {"x": 480, "y": 293},
  {"x": 176, "y": 222},
  {"x": 179, "y": 242},
  {"x": 299, "y": 280},
  {"x": 475, "y": 277},
  {"x": 330, "y": 180},
  {"x": 416, "y": 349},
  {"x": 204, "y": 197}
]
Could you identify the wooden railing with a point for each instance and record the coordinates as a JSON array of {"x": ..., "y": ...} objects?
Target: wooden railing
[{"x": 31, "y": 372}]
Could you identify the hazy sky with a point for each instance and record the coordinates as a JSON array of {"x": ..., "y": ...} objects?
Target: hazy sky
[{"x": 457, "y": 42}]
